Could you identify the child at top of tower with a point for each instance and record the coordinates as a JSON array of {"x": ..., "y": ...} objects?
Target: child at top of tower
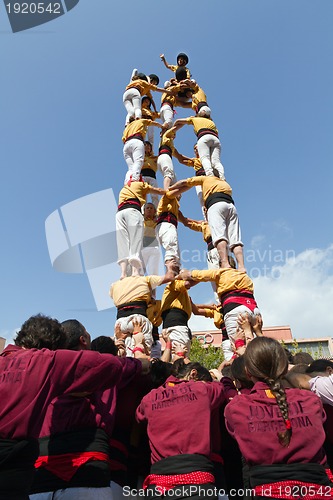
[{"x": 182, "y": 61}]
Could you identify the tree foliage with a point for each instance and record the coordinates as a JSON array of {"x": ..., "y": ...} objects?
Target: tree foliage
[{"x": 208, "y": 356}]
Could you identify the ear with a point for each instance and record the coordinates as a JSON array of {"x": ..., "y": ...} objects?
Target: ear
[
  {"x": 329, "y": 370},
  {"x": 193, "y": 374}
]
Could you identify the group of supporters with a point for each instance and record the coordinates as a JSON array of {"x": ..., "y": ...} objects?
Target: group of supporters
[{"x": 124, "y": 417}]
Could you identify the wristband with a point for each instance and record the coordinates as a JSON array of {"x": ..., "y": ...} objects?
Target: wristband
[
  {"x": 134, "y": 333},
  {"x": 138, "y": 349},
  {"x": 239, "y": 343},
  {"x": 168, "y": 345}
]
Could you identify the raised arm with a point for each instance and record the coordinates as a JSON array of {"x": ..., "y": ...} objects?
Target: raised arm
[
  {"x": 165, "y": 62},
  {"x": 180, "y": 123}
]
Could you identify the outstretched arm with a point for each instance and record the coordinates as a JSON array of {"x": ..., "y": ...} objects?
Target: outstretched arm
[
  {"x": 156, "y": 190},
  {"x": 165, "y": 62},
  {"x": 180, "y": 123}
]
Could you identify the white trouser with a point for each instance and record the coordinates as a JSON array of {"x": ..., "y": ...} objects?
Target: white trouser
[
  {"x": 164, "y": 163},
  {"x": 209, "y": 149},
  {"x": 204, "y": 110},
  {"x": 126, "y": 325},
  {"x": 224, "y": 224},
  {"x": 227, "y": 349},
  {"x": 150, "y": 136},
  {"x": 153, "y": 182},
  {"x": 134, "y": 154},
  {"x": 168, "y": 238},
  {"x": 230, "y": 320},
  {"x": 213, "y": 262},
  {"x": 129, "y": 233},
  {"x": 166, "y": 115},
  {"x": 151, "y": 259},
  {"x": 179, "y": 334},
  {"x": 132, "y": 102},
  {"x": 200, "y": 198},
  {"x": 74, "y": 494}
]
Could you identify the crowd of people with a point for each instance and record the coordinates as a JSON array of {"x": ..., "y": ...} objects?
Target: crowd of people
[{"x": 131, "y": 415}]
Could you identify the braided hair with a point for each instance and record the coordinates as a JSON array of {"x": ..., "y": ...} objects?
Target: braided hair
[{"x": 266, "y": 360}]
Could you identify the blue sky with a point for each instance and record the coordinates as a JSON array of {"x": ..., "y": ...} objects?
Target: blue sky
[{"x": 266, "y": 67}]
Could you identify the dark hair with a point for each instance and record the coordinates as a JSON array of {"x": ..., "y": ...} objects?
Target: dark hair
[
  {"x": 104, "y": 345},
  {"x": 181, "y": 73},
  {"x": 142, "y": 76},
  {"x": 302, "y": 357},
  {"x": 289, "y": 355},
  {"x": 319, "y": 365},
  {"x": 239, "y": 373},
  {"x": 184, "y": 56},
  {"x": 40, "y": 332},
  {"x": 159, "y": 372},
  {"x": 74, "y": 330},
  {"x": 181, "y": 369},
  {"x": 147, "y": 98},
  {"x": 266, "y": 360},
  {"x": 152, "y": 76}
]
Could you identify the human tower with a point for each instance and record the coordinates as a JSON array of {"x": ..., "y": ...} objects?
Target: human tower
[{"x": 142, "y": 227}]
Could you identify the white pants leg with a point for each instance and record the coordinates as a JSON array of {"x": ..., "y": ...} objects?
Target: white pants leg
[
  {"x": 134, "y": 154},
  {"x": 150, "y": 136},
  {"x": 213, "y": 262},
  {"x": 164, "y": 163},
  {"x": 230, "y": 320},
  {"x": 132, "y": 103},
  {"x": 181, "y": 335},
  {"x": 129, "y": 227},
  {"x": 151, "y": 259},
  {"x": 153, "y": 182},
  {"x": 223, "y": 222},
  {"x": 227, "y": 349},
  {"x": 200, "y": 198},
  {"x": 126, "y": 325},
  {"x": 209, "y": 149},
  {"x": 168, "y": 238},
  {"x": 166, "y": 114}
]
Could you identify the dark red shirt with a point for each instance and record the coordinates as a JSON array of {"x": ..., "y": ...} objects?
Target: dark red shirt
[
  {"x": 30, "y": 379},
  {"x": 179, "y": 417},
  {"x": 255, "y": 419}
]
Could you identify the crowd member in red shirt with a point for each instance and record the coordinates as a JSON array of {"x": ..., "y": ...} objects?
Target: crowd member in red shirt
[
  {"x": 32, "y": 373},
  {"x": 75, "y": 437},
  {"x": 179, "y": 430},
  {"x": 279, "y": 431}
]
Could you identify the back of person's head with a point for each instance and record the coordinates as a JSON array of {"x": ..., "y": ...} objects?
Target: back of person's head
[
  {"x": 299, "y": 368},
  {"x": 266, "y": 361},
  {"x": 40, "y": 332},
  {"x": 181, "y": 73},
  {"x": 320, "y": 366},
  {"x": 191, "y": 370},
  {"x": 104, "y": 345},
  {"x": 239, "y": 373},
  {"x": 77, "y": 336},
  {"x": 302, "y": 357},
  {"x": 142, "y": 76},
  {"x": 159, "y": 372}
]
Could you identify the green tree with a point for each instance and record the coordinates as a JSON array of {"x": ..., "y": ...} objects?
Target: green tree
[{"x": 208, "y": 356}]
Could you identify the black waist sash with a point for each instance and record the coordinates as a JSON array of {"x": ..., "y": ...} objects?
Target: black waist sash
[
  {"x": 201, "y": 171},
  {"x": 135, "y": 136},
  {"x": 135, "y": 307},
  {"x": 165, "y": 150},
  {"x": 130, "y": 203},
  {"x": 93, "y": 474},
  {"x": 216, "y": 198},
  {"x": 174, "y": 317},
  {"x": 149, "y": 172},
  {"x": 266, "y": 474},
  {"x": 167, "y": 217},
  {"x": 17, "y": 459},
  {"x": 210, "y": 245},
  {"x": 244, "y": 294},
  {"x": 206, "y": 131},
  {"x": 182, "y": 464},
  {"x": 200, "y": 105}
]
